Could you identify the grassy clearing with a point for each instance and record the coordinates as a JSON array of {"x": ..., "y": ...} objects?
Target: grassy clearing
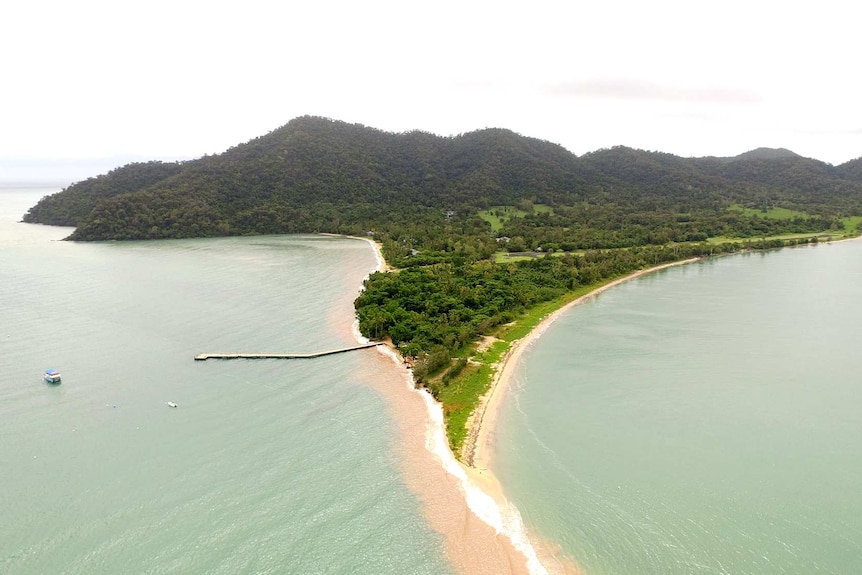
[
  {"x": 461, "y": 397},
  {"x": 772, "y": 214},
  {"x": 499, "y": 215},
  {"x": 505, "y": 257},
  {"x": 821, "y": 236},
  {"x": 851, "y": 225}
]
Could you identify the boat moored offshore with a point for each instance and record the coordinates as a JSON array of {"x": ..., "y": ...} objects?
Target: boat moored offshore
[{"x": 52, "y": 375}]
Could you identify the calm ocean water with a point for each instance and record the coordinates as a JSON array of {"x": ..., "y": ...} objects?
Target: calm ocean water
[
  {"x": 266, "y": 466},
  {"x": 703, "y": 419}
]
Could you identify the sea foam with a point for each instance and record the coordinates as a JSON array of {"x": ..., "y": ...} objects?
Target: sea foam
[{"x": 507, "y": 520}]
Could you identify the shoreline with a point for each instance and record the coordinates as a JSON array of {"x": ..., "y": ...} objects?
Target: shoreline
[
  {"x": 479, "y": 442},
  {"x": 480, "y": 423},
  {"x": 503, "y": 538},
  {"x": 482, "y": 493}
]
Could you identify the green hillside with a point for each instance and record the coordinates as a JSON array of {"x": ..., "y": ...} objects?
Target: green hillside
[
  {"x": 320, "y": 175},
  {"x": 445, "y": 208}
]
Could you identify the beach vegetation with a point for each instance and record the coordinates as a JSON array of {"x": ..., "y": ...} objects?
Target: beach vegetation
[{"x": 486, "y": 231}]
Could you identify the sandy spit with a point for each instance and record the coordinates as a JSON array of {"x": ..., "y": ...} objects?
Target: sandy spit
[{"x": 481, "y": 532}]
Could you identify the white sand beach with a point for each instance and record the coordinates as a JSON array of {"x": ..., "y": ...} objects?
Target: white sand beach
[
  {"x": 482, "y": 531},
  {"x": 478, "y": 449}
]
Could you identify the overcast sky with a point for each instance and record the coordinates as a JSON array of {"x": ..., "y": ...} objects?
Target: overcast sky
[{"x": 89, "y": 84}]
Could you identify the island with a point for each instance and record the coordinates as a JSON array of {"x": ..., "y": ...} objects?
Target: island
[{"x": 485, "y": 234}]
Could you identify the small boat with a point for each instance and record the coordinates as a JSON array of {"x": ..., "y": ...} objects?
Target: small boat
[
  {"x": 172, "y": 404},
  {"x": 52, "y": 375}
]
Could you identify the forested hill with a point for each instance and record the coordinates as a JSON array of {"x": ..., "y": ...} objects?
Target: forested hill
[
  {"x": 320, "y": 175},
  {"x": 74, "y": 204},
  {"x": 312, "y": 174},
  {"x": 851, "y": 170}
]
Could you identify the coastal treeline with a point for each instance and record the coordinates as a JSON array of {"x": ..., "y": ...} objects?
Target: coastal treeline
[
  {"x": 444, "y": 208},
  {"x": 432, "y": 313},
  {"x": 447, "y": 210},
  {"x": 74, "y": 204}
]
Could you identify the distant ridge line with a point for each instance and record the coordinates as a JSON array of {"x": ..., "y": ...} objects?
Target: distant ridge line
[{"x": 206, "y": 356}]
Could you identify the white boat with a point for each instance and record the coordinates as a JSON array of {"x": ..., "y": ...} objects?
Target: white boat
[
  {"x": 172, "y": 404},
  {"x": 52, "y": 375}
]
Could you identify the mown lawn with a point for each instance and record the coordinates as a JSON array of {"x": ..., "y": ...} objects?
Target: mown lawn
[{"x": 498, "y": 215}]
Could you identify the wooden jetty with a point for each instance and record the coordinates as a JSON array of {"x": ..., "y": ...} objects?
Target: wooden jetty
[{"x": 205, "y": 356}]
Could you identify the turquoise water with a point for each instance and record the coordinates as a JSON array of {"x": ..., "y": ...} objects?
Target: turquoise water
[
  {"x": 266, "y": 466},
  {"x": 703, "y": 419}
]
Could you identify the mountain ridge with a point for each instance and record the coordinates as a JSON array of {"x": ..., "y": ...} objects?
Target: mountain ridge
[{"x": 318, "y": 174}]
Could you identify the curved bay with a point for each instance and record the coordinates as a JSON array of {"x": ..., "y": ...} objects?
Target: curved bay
[{"x": 703, "y": 419}]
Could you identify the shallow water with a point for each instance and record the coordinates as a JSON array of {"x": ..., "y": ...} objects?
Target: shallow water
[
  {"x": 266, "y": 466},
  {"x": 702, "y": 419}
]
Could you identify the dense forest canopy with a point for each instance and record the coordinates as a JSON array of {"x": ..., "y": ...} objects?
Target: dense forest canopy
[
  {"x": 321, "y": 175},
  {"x": 447, "y": 210}
]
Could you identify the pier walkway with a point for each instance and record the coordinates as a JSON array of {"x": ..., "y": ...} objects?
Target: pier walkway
[{"x": 205, "y": 356}]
